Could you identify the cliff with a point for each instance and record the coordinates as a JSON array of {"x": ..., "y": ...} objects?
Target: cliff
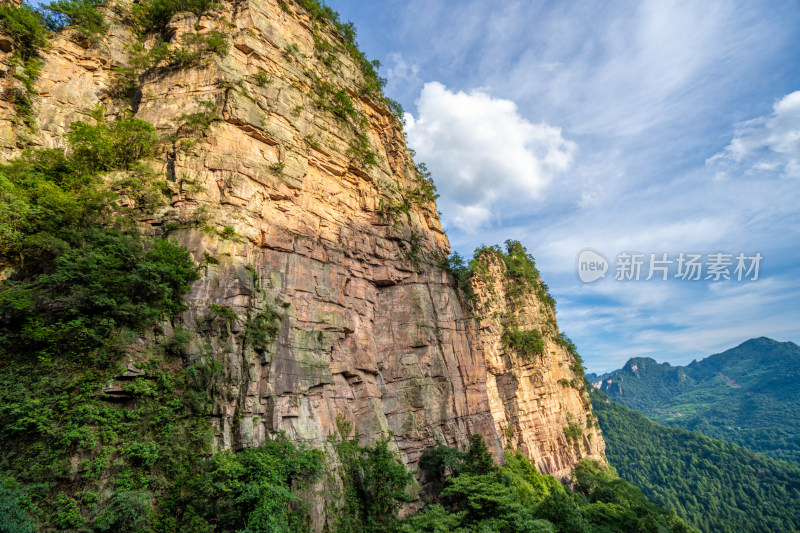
[{"x": 288, "y": 178}]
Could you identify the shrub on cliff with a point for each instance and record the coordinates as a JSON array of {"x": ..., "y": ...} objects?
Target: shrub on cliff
[
  {"x": 374, "y": 483},
  {"x": 78, "y": 268},
  {"x": 152, "y": 16},
  {"x": 528, "y": 344},
  {"x": 253, "y": 490},
  {"x": 521, "y": 274},
  {"x": 82, "y": 16},
  {"x": 115, "y": 145},
  {"x": 26, "y": 27}
]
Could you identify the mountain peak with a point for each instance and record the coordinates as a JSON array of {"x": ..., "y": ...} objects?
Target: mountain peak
[{"x": 747, "y": 394}]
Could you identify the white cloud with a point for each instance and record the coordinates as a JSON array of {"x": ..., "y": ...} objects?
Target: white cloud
[
  {"x": 767, "y": 144},
  {"x": 482, "y": 152},
  {"x": 472, "y": 217}
]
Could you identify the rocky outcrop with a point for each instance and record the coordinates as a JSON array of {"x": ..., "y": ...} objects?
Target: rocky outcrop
[
  {"x": 308, "y": 219},
  {"x": 538, "y": 403}
]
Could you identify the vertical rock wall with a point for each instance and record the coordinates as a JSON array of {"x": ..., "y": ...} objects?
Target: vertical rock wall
[
  {"x": 336, "y": 260},
  {"x": 533, "y": 399}
]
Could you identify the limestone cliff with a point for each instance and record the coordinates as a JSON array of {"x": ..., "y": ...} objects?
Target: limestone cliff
[{"x": 292, "y": 185}]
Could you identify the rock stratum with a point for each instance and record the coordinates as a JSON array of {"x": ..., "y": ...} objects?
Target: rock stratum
[{"x": 295, "y": 190}]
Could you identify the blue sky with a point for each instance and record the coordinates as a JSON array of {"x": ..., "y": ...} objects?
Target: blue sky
[{"x": 646, "y": 127}]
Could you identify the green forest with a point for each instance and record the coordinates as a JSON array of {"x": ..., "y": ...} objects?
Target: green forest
[
  {"x": 469, "y": 492},
  {"x": 714, "y": 485},
  {"x": 749, "y": 395}
]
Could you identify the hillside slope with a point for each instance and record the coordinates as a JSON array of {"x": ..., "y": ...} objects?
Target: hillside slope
[
  {"x": 715, "y": 485},
  {"x": 749, "y": 395}
]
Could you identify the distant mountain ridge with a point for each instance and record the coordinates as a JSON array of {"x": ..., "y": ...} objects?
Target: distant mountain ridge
[{"x": 749, "y": 394}]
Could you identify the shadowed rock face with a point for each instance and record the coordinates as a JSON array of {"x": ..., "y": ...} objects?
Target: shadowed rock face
[{"x": 297, "y": 233}]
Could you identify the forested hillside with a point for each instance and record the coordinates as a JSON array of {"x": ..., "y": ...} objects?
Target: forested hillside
[
  {"x": 715, "y": 485},
  {"x": 749, "y": 395}
]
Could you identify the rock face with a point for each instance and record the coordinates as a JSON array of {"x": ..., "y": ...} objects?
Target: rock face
[
  {"x": 534, "y": 401},
  {"x": 331, "y": 263}
]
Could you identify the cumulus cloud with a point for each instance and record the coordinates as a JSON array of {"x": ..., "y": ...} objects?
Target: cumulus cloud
[
  {"x": 767, "y": 144},
  {"x": 483, "y": 152}
]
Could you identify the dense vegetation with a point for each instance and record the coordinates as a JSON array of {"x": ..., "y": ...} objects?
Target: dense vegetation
[
  {"x": 471, "y": 493},
  {"x": 79, "y": 268},
  {"x": 715, "y": 485},
  {"x": 749, "y": 395},
  {"x": 256, "y": 489},
  {"x": 522, "y": 276},
  {"x": 82, "y": 283},
  {"x": 373, "y": 484},
  {"x": 82, "y": 16}
]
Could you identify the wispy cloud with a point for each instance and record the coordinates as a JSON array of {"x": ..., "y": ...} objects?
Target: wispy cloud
[
  {"x": 766, "y": 144},
  {"x": 675, "y": 321},
  {"x": 400, "y": 73}
]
